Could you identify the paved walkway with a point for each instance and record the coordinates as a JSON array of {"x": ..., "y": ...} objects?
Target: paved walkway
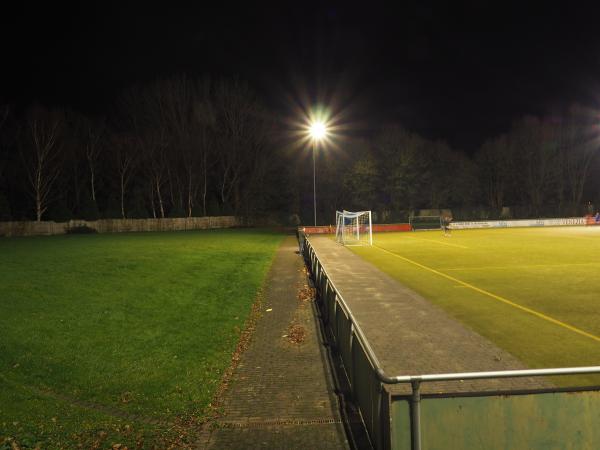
[
  {"x": 410, "y": 335},
  {"x": 281, "y": 395}
]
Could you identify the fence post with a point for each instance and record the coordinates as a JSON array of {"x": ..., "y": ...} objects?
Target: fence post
[
  {"x": 415, "y": 416},
  {"x": 353, "y": 363}
]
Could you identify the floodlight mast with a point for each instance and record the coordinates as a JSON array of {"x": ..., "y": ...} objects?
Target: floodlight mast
[{"x": 318, "y": 131}]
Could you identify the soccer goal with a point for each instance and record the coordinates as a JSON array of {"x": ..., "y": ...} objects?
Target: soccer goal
[
  {"x": 353, "y": 228},
  {"x": 425, "y": 222}
]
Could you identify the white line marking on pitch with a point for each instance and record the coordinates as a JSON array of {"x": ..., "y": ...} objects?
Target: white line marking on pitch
[
  {"x": 436, "y": 242},
  {"x": 524, "y": 266},
  {"x": 496, "y": 297}
]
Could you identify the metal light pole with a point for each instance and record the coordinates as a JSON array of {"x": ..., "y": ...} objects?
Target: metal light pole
[
  {"x": 314, "y": 144},
  {"x": 318, "y": 130}
]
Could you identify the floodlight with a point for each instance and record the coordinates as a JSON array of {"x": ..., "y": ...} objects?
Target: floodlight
[{"x": 318, "y": 130}]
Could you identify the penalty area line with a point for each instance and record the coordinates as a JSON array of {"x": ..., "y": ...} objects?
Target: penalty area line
[{"x": 495, "y": 297}]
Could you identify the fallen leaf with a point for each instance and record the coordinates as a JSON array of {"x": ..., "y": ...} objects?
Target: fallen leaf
[
  {"x": 270, "y": 309},
  {"x": 306, "y": 294},
  {"x": 296, "y": 334}
]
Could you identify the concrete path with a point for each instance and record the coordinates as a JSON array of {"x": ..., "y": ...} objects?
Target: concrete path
[
  {"x": 281, "y": 395},
  {"x": 410, "y": 335}
]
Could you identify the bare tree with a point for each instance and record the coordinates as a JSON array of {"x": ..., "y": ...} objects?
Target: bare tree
[
  {"x": 94, "y": 132},
  {"x": 83, "y": 147},
  {"x": 259, "y": 162},
  {"x": 188, "y": 116},
  {"x": 201, "y": 151},
  {"x": 175, "y": 113},
  {"x": 145, "y": 111},
  {"x": 196, "y": 156},
  {"x": 124, "y": 157},
  {"x": 239, "y": 130},
  {"x": 154, "y": 143},
  {"x": 157, "y": 167},
  {"x": 76, "y": 165},
  {"x": 41, "y": 153}
]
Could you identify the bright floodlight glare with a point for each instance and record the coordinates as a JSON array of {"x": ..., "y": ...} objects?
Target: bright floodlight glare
[{"x": 318, "y": 130}]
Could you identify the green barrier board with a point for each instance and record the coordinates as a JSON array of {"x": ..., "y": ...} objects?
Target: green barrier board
[{"x": 544, "y": 421}]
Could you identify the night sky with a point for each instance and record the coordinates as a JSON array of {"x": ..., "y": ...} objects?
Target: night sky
[{"x": 460, "y": 72}]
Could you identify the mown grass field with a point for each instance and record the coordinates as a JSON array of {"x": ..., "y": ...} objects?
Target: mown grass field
[
  {"x": 120, "y": 338},
  {"x": 535, "y": 292}
]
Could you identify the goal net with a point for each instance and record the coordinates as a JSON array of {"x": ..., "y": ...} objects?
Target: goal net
[
  {"x": 425, "y": 222},
  {"x": 353, "y": 228}
]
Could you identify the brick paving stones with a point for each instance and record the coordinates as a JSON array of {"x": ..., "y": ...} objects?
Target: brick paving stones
[{"x": 281, "y": 395}]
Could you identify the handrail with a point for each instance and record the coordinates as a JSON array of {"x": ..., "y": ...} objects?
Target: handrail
[
  {"x": 497, "y": 374},
  {"x": 416, "y": 380}
]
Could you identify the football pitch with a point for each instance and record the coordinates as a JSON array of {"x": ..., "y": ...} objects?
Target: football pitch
[
  {"x": 121, "y": 338},
  {"x": 534, "y": 292}
]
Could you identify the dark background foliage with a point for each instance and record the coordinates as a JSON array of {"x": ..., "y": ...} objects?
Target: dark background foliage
[{"x": 123, "y": 111}]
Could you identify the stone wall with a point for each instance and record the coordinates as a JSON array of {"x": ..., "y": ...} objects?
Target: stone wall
[{"x": 117, "y": 225}]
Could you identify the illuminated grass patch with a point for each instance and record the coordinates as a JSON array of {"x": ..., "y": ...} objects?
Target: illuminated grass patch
[
  {"x": 533, "y": 292},
  {"x": 117, "y": 338}
]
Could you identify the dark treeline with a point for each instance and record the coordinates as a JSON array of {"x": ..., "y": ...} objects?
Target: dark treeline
[
  {"x": 182, "y": 147},
  {"x": 173, "y": 148},
  {"x": 541, "y": 167}
]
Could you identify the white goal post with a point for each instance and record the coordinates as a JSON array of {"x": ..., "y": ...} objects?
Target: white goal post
[{"x": 353, "y": 228}]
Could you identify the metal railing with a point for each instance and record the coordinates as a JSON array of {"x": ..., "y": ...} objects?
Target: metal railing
[{"x": 371, "y": 408}]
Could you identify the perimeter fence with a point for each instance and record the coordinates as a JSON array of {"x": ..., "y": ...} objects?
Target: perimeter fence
[{"x": 48, "y": 228}]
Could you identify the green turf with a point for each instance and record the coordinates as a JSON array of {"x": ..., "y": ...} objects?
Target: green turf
[
  {"x": 108, "y": 333},
  {"x": 554, "y": 271}
]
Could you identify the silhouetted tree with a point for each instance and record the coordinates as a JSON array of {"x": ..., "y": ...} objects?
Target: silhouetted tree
[
  {"x": 189, "y": 118},
  {"x": 200, "y": 156},
  {"x": 536, "y": 153},
  {"x": 441, "y": 174},
  {"x": 241, "y": 128},
  {"x": 403, "y": 167},
  {"x": 123, "y": 152},
  {"x": 578, "y": 146},
  {"x": 94, "y": 133},
  {"x": 494, "y": 163},
  {"x": 362, "y": 183},
  {"x": 144, "y": 108},
  {"x": 40, "y": 153},
  {"x": 183, "y": 146}
]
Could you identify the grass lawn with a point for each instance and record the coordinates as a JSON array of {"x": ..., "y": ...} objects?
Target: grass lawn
[
  {"x": 113, "y": 338},
  {"x": 485, "y": 278}
]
